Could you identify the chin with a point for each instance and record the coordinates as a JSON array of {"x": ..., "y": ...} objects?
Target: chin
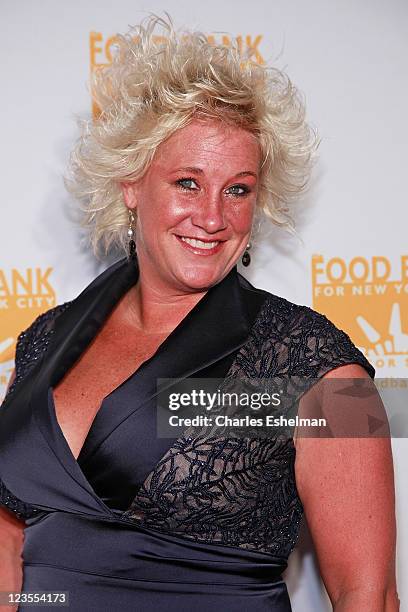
[{"x": 201, "y": 277}]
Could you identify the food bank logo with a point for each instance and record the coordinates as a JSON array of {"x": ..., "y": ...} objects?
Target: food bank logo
[
  {"x": 23, "y": 296},
  {"x": 369, "y": 300},
  {"x": 101, "y": 48}
]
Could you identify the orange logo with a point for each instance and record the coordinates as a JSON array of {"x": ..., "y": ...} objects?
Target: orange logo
[
  {"x": 361, "y": 297},
  {"x": 100, "y": 50},
  {"x": 23, "y": 296}
]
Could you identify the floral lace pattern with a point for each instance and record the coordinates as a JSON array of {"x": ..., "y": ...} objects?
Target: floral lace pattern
[
  {"x": 234, "y": 491},
  {"x": 242, "y": 491}
]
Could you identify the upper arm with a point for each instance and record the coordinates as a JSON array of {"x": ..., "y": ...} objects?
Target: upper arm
[
  {"x": 11, "y": 532},
  {"x": 11, "y": 552},
  {"x": 346, "y": 485}
]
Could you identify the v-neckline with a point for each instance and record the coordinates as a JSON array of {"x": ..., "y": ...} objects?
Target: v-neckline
[
  {"x": 133, "y": 374},
  {"x": 113, "y": 391},
  {"x": 215, "y": 327}
]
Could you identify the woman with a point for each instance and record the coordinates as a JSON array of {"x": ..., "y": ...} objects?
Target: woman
[{"x": 190, "y": 144}]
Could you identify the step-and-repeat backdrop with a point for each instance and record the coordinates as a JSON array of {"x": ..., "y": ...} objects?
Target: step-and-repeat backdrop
[{"x": 350, "y": 258}]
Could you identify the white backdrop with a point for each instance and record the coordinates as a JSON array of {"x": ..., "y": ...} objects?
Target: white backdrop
[{"x": 351, "y": 261}]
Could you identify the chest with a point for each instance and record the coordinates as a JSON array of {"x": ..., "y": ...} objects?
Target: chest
[{"x": 111, "y": 358}]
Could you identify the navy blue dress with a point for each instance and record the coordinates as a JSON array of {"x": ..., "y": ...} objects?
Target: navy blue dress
[{"x": 139, "y": 522}]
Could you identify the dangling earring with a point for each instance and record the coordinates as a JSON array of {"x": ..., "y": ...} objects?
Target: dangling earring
[
  {"x": 130, "y": 233},
  {"x": 246, "y": 258}
]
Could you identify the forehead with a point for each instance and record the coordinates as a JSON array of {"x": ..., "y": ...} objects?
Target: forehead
[{"x": 209, "y": 144}]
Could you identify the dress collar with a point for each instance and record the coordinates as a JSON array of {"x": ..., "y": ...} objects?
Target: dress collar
[{"x": 215, "y": 326}]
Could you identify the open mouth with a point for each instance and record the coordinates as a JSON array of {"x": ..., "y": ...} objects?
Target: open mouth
[{"x": 199, "y": 246}]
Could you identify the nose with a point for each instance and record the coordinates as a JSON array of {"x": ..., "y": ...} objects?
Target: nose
[{"x": 209, "y": 214}]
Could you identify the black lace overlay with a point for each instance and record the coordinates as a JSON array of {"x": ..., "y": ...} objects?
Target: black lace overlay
[
  {"x": 232, "y": 491},
  {"x": 242, "y": 491},
  {"x": 292, "y": 340}
]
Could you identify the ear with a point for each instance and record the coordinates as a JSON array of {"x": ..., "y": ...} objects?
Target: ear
[{"x": 129, "y": 191}]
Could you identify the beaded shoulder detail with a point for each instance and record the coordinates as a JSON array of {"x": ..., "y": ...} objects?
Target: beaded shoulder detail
[
  {"x": 33, "y": 342},
  {"x": 20, "y": 509},
  {"x": 242, "y": 491}
]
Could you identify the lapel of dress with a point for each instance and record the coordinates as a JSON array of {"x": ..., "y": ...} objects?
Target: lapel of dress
[
  {"x": 218, "y": 325},
  {"x": 30, "y": 438}
]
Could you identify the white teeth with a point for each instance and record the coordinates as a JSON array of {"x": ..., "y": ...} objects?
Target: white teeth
[{"x": 199, "y": 243}]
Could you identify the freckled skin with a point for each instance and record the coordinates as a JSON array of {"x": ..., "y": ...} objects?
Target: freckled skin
[{"x": 210, "y": 208}]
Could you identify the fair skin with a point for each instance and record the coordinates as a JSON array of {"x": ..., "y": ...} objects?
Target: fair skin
[
  {"x": 202, "y": 185},
  {"x": 346, "y": 485}
]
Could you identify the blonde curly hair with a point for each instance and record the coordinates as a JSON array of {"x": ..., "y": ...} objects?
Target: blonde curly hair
[{"x": 156, "y": 85}]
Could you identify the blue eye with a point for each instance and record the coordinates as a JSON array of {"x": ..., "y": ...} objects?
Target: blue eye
[
  {"x": 189, "y": 184},
  {"x": 244, "y": 189},
  {"x": 185, "y": 183}
]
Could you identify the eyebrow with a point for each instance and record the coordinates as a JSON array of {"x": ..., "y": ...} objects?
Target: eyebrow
[{"x": 194, "y": 170}]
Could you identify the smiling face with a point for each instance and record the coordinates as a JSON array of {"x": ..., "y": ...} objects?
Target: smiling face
[{"x": 194, "y": 206}]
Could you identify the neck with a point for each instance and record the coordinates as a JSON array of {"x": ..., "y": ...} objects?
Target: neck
[{"x": 154, "y": 311}]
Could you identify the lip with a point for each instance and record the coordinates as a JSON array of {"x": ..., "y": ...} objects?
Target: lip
[{"x": 197, "y": 250}]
